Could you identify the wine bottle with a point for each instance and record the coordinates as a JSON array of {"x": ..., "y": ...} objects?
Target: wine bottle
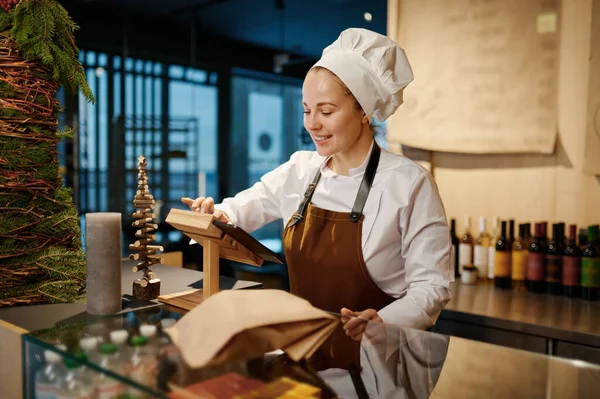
[
  {"x": 480, "y": 250},
  {"x": 492, "y": 247},
  {"x": 528, "y": 238},
  {"x": 465, "y": 246},
  {"x": 583, "y": 241},
  {"x": 553, "y": 261},
  {"x": 562, "y": 234},
  {"x": 502, "y": 261},
  {"x": 596, "y": 239},
  {"x": 571, "y": 271},
  {"x": 528, "y": 232},
  {"x": 544, "y": 235},
  {"x": 454, "y": 255},
  {"x": 511, "y": 233},
  {"x": 519, "y": 260},
  {"x": 535, "y": 261},
  {"x": 590, "y": 266}
]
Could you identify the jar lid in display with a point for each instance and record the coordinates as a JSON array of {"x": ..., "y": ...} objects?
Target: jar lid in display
[
  {"x": 148, "y": 330},
  {"x": 88, "y": 343},
  {"x": 119, "y": 337}
]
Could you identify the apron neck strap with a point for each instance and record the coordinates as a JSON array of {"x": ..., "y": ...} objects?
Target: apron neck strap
[
  {"x": 363, "y": 191},
  {"x": 365, "y": 184},
  {"x": 299, "y": 215}
]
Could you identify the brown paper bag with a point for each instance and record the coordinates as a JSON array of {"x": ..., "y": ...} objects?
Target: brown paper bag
[{"x": 235, "y": 325}]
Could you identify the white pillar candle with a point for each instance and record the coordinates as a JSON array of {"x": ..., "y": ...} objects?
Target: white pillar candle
[{"x": 103, "y": 257}]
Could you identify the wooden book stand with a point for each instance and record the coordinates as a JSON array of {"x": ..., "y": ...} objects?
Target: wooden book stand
[{"x": 219, "y": 240}]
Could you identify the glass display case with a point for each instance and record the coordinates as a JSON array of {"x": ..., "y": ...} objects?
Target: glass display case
[{"x": 129, "y": 356}]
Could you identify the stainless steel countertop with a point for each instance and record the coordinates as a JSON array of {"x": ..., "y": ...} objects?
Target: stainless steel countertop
[
  {"x": 478, "y": 370},
  {"x": 550, "y": 316}
]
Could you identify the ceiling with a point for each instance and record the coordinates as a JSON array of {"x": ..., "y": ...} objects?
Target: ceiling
[{"x": 303, "y": 27}]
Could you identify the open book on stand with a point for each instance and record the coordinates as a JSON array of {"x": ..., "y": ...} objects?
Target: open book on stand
[
  {"x": 236, "y": 244},
  {"x": 220, "y": 240}
]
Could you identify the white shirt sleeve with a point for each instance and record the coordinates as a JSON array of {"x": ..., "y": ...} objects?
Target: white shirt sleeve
[
  {"x": 262, "y": 203},
  {"x": 426, "y": 249}
]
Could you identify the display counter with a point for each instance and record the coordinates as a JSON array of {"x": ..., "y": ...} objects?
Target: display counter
[
  {"x": 15, "y": 321},
  {"x": 396, "y": 363},
  {"x": 541, "y": 323}
]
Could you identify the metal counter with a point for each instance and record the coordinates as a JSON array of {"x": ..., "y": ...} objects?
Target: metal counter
[{"x": 554, "y": 318}]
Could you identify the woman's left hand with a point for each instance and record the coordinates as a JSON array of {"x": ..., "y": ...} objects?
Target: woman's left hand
[{"x": 355, "y": 323}]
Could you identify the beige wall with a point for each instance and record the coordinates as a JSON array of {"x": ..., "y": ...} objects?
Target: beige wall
[{"x": 532, "y": 187}]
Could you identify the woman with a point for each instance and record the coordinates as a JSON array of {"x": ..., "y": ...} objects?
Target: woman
[{"x": 366, "y": 233}]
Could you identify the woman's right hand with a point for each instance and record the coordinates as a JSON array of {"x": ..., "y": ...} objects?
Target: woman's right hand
[{"x": 206, "y": 205}]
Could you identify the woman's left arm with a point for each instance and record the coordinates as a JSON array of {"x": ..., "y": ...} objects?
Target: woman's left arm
[{"x": 426, "y": 248}]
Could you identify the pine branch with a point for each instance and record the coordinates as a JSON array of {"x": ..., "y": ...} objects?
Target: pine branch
[
  {"x": 48, "y": 291},
  {"x": 56, "y": 263},
  {"x": 62, "y": 291},
  {"x": 44, "y": 30},
  {"x": 66, "y": 132},
  {"x": 5, "y": 20}
]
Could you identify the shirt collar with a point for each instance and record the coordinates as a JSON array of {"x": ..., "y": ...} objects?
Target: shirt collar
[{"x": 353, "y": 172}]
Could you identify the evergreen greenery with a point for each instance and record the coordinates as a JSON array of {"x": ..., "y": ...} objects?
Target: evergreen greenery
[
  {"x": 44, "y": 31},
  {"x": 41, "y": 259}
]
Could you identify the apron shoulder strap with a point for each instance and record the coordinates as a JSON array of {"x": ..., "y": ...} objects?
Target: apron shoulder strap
[
  {"x": 299, "y": 215},
  {"x": 365, "y": 184},
  {"x": 361, "y": 197}
]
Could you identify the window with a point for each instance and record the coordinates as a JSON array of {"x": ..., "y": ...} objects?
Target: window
[
  {"x": 194, "y": 104},
  {"x": 267, "y": 122},
  {"x": 167, "y": 113}
]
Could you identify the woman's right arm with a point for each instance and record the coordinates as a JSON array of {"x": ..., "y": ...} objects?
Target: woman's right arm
[{"x": 254, "y": 207}]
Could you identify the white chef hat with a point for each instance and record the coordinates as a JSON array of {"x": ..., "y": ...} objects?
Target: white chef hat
[{"x": 373, "y": 67}]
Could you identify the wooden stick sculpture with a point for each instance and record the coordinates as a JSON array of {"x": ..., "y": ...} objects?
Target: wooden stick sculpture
[{"x": 147, "y": 287}]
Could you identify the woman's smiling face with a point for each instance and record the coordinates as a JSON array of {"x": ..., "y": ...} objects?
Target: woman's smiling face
[{"x": 332, "y": 115}]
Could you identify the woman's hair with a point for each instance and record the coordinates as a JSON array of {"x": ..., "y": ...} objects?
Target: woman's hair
[{"x": 346, "y": 91}]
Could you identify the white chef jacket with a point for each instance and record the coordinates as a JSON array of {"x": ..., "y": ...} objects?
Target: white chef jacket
[{"x": 405, "y": 235}]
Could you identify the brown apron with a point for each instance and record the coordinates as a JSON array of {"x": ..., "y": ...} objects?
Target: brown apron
[{"x": 323, "y": 251}]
